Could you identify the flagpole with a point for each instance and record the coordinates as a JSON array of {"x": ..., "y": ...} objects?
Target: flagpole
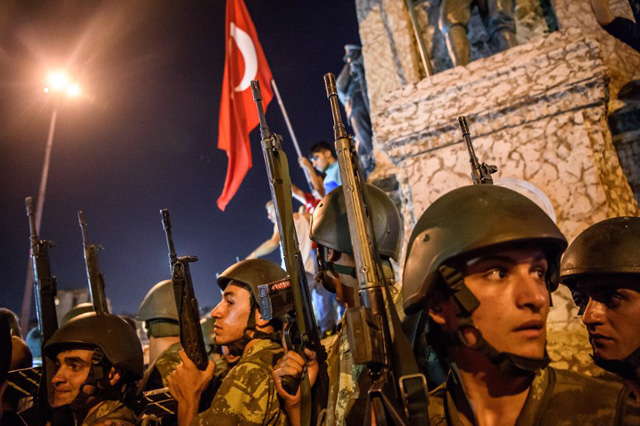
[{"x": 293, "y": 135}]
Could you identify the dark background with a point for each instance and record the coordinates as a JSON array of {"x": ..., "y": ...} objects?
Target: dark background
[{"x": 144, "y": 135}]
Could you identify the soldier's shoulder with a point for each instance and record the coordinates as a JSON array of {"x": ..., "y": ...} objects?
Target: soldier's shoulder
[
  {"x": 567, "y": 380},
  {"x": 590, "y": 400},
  {"x": 111, "y": 412}
]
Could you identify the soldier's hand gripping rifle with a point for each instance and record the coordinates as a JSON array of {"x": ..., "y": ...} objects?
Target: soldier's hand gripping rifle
[
  {"x": 191, "y": 337},
  {"x": 398, "y": 394},
  {"x": 95, "y": 277},
  {"x": 302, "y": 331},
  {"x": 480, "y": 173},
  {"x": 190, "y": 332}
]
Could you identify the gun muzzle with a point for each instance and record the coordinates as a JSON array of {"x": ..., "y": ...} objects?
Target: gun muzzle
[
  {"x": 330, "y": 84},
  {"x": 462, "y": 120},
  {"x": 255, "y": 90}
]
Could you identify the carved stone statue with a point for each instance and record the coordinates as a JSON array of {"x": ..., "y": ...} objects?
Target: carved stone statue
[
  {"x": 352, "y": 91},
  {"x": 498, "y": 18}
]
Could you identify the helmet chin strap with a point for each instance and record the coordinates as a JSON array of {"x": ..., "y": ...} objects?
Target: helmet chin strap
[
  {"x": 466, "y": 301},
  {"x": 625, "y": 368}
]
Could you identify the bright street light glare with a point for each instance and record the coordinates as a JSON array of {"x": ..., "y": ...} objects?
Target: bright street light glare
[
  {"x": 73, "y": 90},
  {"x": 58, "y": 80},
  {"x": 47, "y": 90}
]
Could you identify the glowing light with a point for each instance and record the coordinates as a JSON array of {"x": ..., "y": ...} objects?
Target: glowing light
[
  {"x": 58, "y": 80},
  {"x": 73, "y": 90}
]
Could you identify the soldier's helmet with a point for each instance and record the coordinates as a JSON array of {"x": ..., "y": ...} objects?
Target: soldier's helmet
[
  {"x": 159, "y": 303},
  {"x": 610, "y": 247},
  {"x": 77, "y": 310},
  {"x": 33, "y": 341},
  {"x": 469, "y": 220},
  {"x": 108, "y": 333},
  {"x": 330, "y": 225},
  {"x": 262, "y": 278}
]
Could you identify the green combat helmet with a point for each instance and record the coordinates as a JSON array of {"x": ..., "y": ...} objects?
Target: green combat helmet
[
  {"x": 159, "y": 312},
  {"x": 330, "y": 225},
  {"x": 330, "y": 230},
  {"x": 270, "y": 290},
  {"x": 115, "y": 344},
  {"x": 79, "y": 309},
  {"x": 610, "y": 248},
  {"x": 470, "y": 220}
]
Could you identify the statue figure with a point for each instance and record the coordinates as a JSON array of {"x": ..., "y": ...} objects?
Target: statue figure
[
  {"x": 352, "y": 91},
  {"x": 497, "y": 16}
]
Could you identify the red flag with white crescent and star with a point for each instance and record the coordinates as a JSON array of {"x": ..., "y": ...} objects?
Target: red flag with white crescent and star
[{"x": 244, "y": 62}]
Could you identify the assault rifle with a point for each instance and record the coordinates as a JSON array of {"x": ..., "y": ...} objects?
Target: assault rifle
[
  {"x": 95, "y": 277},
  {"x": 398, "y": 394},
  {"x": 31, "y": 381},
  {"x": 44, "y": 283},
  {"x": 190, "y": 331},
  {"x": 300, "y": 331},
  {"x": 480, "y": 173}
]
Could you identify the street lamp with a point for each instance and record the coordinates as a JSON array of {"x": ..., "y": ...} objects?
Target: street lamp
[{"x": 59, "y": 86}]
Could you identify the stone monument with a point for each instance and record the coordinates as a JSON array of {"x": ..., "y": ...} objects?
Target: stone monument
[{"x": 546, "y": 112}]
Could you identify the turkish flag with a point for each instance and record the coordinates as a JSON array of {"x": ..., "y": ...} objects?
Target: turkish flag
[{"x": 244, "y": 62}]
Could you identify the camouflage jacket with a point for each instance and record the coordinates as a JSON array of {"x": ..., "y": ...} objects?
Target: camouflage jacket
[
  {"x": 556, "y": 397},
  {"x": 247, "y": 395},
  {"x": 344, "y": 376},
  {"x": 110, "y": 412},
  {"x": 158, "y": 373}
]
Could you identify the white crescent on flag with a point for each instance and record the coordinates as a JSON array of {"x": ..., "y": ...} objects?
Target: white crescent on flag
[{"x": 248, "y": 50}]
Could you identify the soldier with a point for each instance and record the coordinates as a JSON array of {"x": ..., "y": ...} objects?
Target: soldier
[
  {"x": 98, "y": 359},
  {"x": 482, "y": 261},
  {"x": 160, "y": 315},
  {"x": 602, "y": 269},
  {"x": 247, "y": 395},
  {"x": 330, "y": 230}
]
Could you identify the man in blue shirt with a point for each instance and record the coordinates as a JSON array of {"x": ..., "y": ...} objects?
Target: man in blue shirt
[{"x": 323, "y": 160}]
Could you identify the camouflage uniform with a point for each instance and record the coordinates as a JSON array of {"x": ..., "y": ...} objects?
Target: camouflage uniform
[
  {"x": 344, "y": 375},
  {"x": 247, "y": 396},
  {"x": 113, "y": 411},
  {"x": 556, "y": 397},
  {"x": 158, "y": 373}
]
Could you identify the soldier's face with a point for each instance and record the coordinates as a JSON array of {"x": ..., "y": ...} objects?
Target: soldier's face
[
  {"x": 514, "y": 301},
  {"x": 231, "y": 315},
  {"x": 611, "y": 315},
  {"x": 72, "y": 371}
]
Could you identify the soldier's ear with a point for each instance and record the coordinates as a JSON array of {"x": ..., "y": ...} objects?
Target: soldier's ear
[
  {"x": 114, "y": 376},
  {"x": 260, "y": 322}
]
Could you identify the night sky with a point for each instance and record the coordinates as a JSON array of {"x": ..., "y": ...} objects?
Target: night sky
[{"x": 144, "y": 135}]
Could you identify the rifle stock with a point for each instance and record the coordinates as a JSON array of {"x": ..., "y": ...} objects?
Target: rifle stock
[
  {"x": 302, "y": 331},
  {"x": 94, "y": 276}
]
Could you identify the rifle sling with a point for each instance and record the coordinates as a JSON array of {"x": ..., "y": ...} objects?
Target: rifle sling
[{"x": 412, "y": 383}]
